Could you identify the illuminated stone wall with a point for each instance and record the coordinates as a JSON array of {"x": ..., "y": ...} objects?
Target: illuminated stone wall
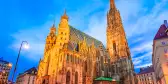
[{"x": 160, "y": 60}]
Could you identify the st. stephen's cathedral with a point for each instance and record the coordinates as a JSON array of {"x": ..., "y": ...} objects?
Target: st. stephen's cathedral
[{"x": 73, "y": 57}]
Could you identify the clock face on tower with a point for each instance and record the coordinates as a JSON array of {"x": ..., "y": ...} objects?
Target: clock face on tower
[{"x": 163, "y": 43}]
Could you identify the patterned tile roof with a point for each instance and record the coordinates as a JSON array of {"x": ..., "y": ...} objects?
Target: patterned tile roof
[
  {"x": 146, "y": 70},
  {"x": 77, "y": 36},
  {"x": 30, "y": 70},
  {"x": 3, "y": 61},
  {"x": 161, "y": 32}
]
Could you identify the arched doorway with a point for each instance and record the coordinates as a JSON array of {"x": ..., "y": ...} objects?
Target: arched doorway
[
  {"x": 84, "y": 72},
  {"x": 76, "y": 77},
  {"x": 68, "y": 77},
  {"x": 43, "y": 81}
]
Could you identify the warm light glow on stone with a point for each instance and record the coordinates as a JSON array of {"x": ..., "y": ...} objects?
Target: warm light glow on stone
[{"x": 10, "y": 65}]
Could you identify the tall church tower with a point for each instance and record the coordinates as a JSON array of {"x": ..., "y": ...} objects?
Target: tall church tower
[
  {"x": 117, "y": 46},
  {"x": 51, "y": 38},
  {"x": 116, "y": 39}
]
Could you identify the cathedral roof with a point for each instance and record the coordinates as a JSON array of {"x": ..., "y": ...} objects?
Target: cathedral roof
[
  {"x": 29, "y": 71},
  {"x": 161, "y": 32},
  {"x": 3, "y": 61},
  {"x": 146, "y": 70},
  {"x": 78, "y": 36}
]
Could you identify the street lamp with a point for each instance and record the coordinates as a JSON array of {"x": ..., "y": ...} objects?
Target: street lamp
[{"x": 26, "y": 47}]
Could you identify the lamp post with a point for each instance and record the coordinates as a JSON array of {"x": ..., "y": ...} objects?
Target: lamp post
[{"x": 26, "y": 46}]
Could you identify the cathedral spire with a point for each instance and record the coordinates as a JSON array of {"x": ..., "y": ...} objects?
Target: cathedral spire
[
  {"x": 53, "y": 28},
  {"x": 54, "y": 23},
  {"x": 112, "y": 3},
  {"x": 65, "y": 12},
  {"x": 65, "y": 15}
]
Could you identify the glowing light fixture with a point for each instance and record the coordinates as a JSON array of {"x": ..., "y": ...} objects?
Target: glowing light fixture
[{"x": 26, "y": 46}]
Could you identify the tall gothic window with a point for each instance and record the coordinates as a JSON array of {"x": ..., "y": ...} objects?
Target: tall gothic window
[
  {"x": 86, "y": 66},
  {"x": 68, "y": 77},
  {"x": 43, "y": 81},
  {"x": 77, "y": 47},
  {"x": 68, "y": 57},
  {"x": 114, "y": 46},
  {"x": 76, "y": 77}
]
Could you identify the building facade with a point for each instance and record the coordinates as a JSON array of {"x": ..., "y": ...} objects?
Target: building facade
[
  {"x": 146, "y": 76},
  {"x": 28, "y": 77},
  {"x": 73, "y": 57},
  {"x": 69, "y": 57},
  {"x": 160, "y": 54},
  {"x": 4, "y": 71}
]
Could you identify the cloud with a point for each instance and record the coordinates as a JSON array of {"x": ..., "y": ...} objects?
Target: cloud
[
  {"x": 149, "y": 21},
  {"x": 35, "y": 36},
  {"x": 146, "y": 55},
  {"x": 143, "y": 65},
  {"x": 146, "y": 46},
  {"x": 97, "y": 27},
  {"x": 137, "y": 40},
  {"x": 132, "y": 8},
  {"x": 143, "y": 61}
]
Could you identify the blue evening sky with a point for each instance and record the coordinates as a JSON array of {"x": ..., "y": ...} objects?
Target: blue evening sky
[{"x": 31, "y": 20}]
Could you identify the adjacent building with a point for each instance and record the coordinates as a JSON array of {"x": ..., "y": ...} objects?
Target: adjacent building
[
  {"x": 146, "y": 76},
  {"x": 28, "y": 77},
  {"x": 160, "y": 54},
  {"x": 4, "y": 71},
  {"x": 73, "y": 57}
]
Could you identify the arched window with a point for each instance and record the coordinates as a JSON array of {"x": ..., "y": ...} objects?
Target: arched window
[
  {"x": 71, "y": 58},
  {"x": 67, "y": 57},
  {"x": 43, "y": 81},
  {"x": 76, "y": 77},
  {"x": 68, "y": 77},
  {"x": 86, "y": 66},
  {"x": 77, "y": 47},
  {"x": 114, "y": 46}
]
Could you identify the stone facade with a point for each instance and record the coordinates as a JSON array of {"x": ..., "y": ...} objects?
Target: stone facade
[
  {"x": 73, "y": 57},
  {"x": 69, "y": 57},
  {"x": 116, "y": 39}
]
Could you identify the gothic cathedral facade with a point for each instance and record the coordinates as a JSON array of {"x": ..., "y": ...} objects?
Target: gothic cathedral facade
[{"x": 73, "y": 57}]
